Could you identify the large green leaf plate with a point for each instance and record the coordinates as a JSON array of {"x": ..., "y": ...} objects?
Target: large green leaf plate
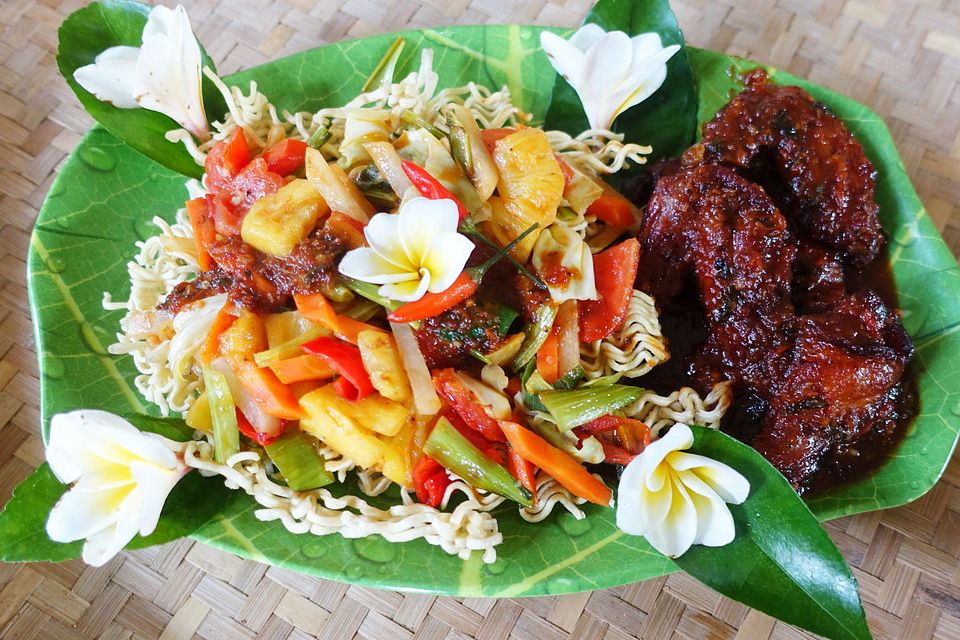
[{"x": 107, "y": 193}]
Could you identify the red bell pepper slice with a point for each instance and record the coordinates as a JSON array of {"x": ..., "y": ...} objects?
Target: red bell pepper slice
[
  {"x": 429, "y": 187},
  {"x": 286, "y": 156},
  {"x": 614, "y": 271},
  {"x": 461, "y": 400},
  {"x": 225, "y": 160},
  {"x": 262, "y": 439},
  {"x": 354, "y": 382},
  {"x": 430, "y": 480},
  {"x": 612, "y": 454}
]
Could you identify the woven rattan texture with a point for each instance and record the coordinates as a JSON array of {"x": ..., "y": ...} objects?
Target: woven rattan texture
[{"x": 901, "y": 57}]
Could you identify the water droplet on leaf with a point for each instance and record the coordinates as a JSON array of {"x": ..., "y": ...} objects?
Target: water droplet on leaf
[
  {"x": 354, "y": 572},
  {"x": 56, "y": 265},
  {"x": 145, "y": 229},
  {"x": 561, "y": 584},
  {"x": 496, "y": 567},
  {"x": 375, "y": 549},
  {"x": 955, "y": 409},
  {"x": 573, "y": 526},
  {"x": 56, "y": 189},
  {"x": 52, "y": 366},
  {"x": 915, "y": 484},
  {"x": 314, "y": 549},
  {"x": 97, "y": 335},
  {"x": 98, "y": 158}
]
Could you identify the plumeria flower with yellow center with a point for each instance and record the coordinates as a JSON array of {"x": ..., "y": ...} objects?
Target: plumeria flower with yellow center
[
  {"x": 411, "y": 252},
  {"x": 676, "y": 499},
  {"x": 163, "y": 74},
  {"x": 120, "y": 478},
  {"x": 610, "y": 71}
]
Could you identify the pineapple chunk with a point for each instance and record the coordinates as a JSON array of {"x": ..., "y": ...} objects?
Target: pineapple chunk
[
  {"x": 277, "y": 222},
  {"x": 325, "y": 420},
  {"x": 377, "y": 413},
  {"x": 531, "y": 187},
  {"x": 198, "y": 415},
  {"x": 381, "y": 359},
  {"x": 397, "y": 459},
  {"x": 285, "y": 326},
  {"x": 582, "y": 190},
  {"x": 245, "y": 337}
]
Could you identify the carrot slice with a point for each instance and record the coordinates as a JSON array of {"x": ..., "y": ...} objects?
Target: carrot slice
[
  {"x": 204, "y": 231},
  {"x": 271, "y": 395},
  {"x": 548, "y": 358},
  {"x": 316, "y": 308},
  {"x": 211, "y": 345},
  {"x": 558, "y": 464},
  {"x": 300, "y": 368}
]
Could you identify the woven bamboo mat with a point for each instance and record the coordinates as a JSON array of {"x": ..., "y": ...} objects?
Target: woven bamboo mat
[{"x": 901, "y": 57}]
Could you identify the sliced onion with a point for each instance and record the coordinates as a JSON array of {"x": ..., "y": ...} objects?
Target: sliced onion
[
  {"x": 388, "y": 164},
  {"x": 260, "y": 421},
  {"x": 568, "y": 332},
  {"x": 496, "y": 403},
  {"x": 425, "y": 398}
]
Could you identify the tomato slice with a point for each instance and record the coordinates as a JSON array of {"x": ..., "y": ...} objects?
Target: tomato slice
[
  {"x": 225, "y": 160},
  {"x": 615, "y": 271},
  {"x": 286, "y": 156}
]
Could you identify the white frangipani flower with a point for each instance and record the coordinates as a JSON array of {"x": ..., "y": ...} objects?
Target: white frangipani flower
[
  {"x": 121, "y": 477},
  {"x": 164, "y": 74},
  {"x": 610, "y": 71},
  {"x": 411, "y": 252},
  {"x": 676, "y": 499}
]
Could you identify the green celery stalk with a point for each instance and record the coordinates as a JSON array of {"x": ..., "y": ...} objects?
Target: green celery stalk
[
  {"x": 448, "y": 447},
  {"x": 574, "y": 407},
  {"x": 290, "y": 348},
  {"x": 536, "y": 333},
  {"x": 298, "y": 461},
  {"x": 223, "y": 415},
  {"x": 505, "y": 317},
  {"x": 420, "y": 122},
  {"x": 570, "y": 379}
]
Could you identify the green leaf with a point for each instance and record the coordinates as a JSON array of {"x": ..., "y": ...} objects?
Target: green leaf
[
  {"x": 667, "y": 119},
  {"x": 23, "y": 535},
  {"x": 99, "y": 26},
  {"x": 75, "y": 256},
  {"x": 173, "y": 428},
  {"x": 781, "y": 562}
]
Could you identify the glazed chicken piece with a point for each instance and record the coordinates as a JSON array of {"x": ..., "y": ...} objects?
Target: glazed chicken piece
[
  {"x": 826, "y": 180},
  {"x": 822, "y": 381}
]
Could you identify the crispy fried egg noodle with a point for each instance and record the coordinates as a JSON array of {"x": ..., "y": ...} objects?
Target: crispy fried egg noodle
[
  {"x": 633, "y": 349},
  {"x": 163, "y": 348}
]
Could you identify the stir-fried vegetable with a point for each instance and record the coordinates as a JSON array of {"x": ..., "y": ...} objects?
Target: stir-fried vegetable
[
  {"x": 338, "y": 190},
  {"x": 574, "y": 407},
  {"x": 536, "y": 333},
  {"x": 425, "y": 397},
  {"x": 226, "y": 434},
  {"x": 297, "y": 459},
  {"x": 431, "y": 188},
  {"x": 459, "y": 455},
  {"x": 615, "y": 269},
  {"x": 354, "y": 381}
]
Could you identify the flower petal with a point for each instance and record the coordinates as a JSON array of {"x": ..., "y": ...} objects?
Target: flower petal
[
  {"x": 677, "y": 532},
  {"x": 445, "y": 259},
  {"x": 155, "y": 483},
  {"x": 565, "y": 57},
  {"x": 80, "y": 514},
  {"x": 111, "y": 78},
  {"x": 586, "y": 36},
  {"x": 407, "y": 291},
  {"x": 168, "y": 74},
  {"x": 367, "y": 265},
  {"x": 422, "y": 221},
  {"x": 608, "y": 64},
  {"x": 726, "y": 481},
  {"x": 383, "y": 236},
  {"x": 108, "y": 542},
  {"x": 715, "y": 526}
]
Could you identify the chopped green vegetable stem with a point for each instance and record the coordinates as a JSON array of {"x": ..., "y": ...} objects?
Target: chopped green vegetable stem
[
  {"x": 412, "y": 118},
  {"x": 574, "y": 407},
  {"x": 290, "y": 348},
  {"x": 448, "y": 447},
  {"x": 537, "y": 333},
  {"x": 382, "y": 75},
  {"x": 298, "y": 460},
  {"x": 319, "y": 137},
  {"x": 223, "y": 415}
]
